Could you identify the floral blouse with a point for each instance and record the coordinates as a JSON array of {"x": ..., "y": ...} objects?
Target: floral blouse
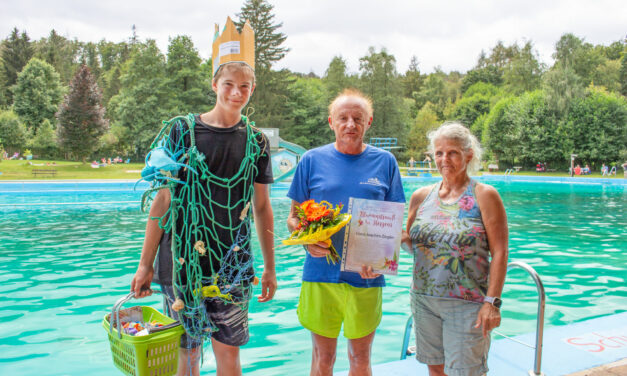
[{"x": 450, "y": 246}]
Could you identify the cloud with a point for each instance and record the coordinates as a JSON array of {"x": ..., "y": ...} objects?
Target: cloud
[{"x": 449, "y": 34}]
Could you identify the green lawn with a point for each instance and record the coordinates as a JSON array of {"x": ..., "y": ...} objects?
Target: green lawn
[
  {"x": 22, "y": 170},
  {"x": 534, "y": 173},
  {"x": 563, "y": 174}
]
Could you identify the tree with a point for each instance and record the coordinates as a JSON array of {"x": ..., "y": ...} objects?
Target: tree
[
  {"x": 623, "y": 74},
  {"x": 524, "y": 70},
  {"x": 469, "y": 108},
  {"x": 566, "y": 49},
  {"x": 562, "y": 85},
  {"x": 59, "y": 52},
  {"x": 142, "y": 101},
  {"x": 16, "y": 51},
  {"x": 596, "y": 126},
  {"x": 517, "y": 67},
  {"x": 433, "y": 90},
  {"x": 308, "y": 119},
  {"x": 524, "y": 130},
  {"x": 500, "y": 134},
  {"x": 380, "y": 82},
  {"x": 44, "y": 142},
  {"x": 572, "y": 52},
  {"x": 426, "y": 121},
  {"x": 541, "y": 138},
  {"x": 500, "y": 56},
  {"x": 89, "y": 56},
  {"x": 12, "y": 132},
  {"x": 268, "y": 39},
  {"x": 412, "y": 81},
  {"x": 116, "y": 141},
  {"x": 4, "y": 101},
  {"x": 482, "y": 88},
  {"x": 81, "y": 116},
  {"x": 268, "y": 104},
  {"x": 608, "y": 75},
  {"x": 110, "y": 81},
  {"x": 112, "y": 57},
  {"x": 113, "y": 54},
  {"x": 189, "y": 86},
  {"x": 490, "y": 74},
  {"x": 479, "y": 125},
  {"x": 335, "y": 77},
  {"x": 271, "y": 94},
  {"x": 615, "y": 50},
  {"x": 37, "y": 93}
]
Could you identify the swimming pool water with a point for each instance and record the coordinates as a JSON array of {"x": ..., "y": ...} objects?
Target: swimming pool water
[{"x": 63, "y": 266}]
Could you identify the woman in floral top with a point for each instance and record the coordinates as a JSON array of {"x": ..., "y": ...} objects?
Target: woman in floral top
[{"x": 457, "y": 231}]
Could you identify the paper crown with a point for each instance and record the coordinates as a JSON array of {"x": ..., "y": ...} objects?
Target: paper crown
[{"x": 232, "y": 46}]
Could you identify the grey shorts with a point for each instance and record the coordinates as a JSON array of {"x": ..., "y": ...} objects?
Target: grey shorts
[
  {"x": 230, "y": 319},
  {"x": 445, "y": 334}
]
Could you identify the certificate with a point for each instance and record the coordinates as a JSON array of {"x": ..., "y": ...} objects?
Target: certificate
[{"x": 373, "y": 236}]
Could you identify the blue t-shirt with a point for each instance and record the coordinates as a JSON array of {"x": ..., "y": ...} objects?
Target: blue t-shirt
[{"x": 326, "y": 174}]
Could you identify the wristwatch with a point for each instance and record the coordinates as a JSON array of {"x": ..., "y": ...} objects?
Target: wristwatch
[{"x": 495, "y": 301}]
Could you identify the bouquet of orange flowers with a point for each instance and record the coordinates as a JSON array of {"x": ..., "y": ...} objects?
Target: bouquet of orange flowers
[{"x": 317, "y": 223}]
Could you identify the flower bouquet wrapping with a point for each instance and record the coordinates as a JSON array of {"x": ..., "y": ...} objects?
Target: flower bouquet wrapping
[{"x": 317, "y": 223}]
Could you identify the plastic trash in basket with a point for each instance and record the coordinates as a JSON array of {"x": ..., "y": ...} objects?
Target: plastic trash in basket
[{"x": 153, "y": 354}]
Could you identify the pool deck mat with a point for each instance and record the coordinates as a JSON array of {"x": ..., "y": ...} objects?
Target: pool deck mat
[
  {"x": 613, "y": 369},
  {"x": 599, "y": 342}
]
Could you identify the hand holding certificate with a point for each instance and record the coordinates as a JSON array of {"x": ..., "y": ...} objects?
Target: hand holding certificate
[{"x": 373, "y": 236}]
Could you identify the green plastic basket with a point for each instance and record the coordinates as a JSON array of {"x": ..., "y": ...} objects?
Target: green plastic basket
[{"x": 155, "y": 354}]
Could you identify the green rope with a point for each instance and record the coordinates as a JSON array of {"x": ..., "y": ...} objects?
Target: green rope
[{"x": 232, "y": 281}]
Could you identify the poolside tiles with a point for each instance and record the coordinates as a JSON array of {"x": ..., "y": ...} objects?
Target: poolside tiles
[{"x": 567, "y": 349}]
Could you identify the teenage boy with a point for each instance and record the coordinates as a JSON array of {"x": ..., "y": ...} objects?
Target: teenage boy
[{"x": 225, "y": 142}]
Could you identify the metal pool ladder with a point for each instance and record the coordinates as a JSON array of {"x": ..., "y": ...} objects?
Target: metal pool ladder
[{"x": 410, "y": 350}]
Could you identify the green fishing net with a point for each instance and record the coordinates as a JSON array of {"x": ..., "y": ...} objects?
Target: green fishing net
[{"x": 192, "y": 223}]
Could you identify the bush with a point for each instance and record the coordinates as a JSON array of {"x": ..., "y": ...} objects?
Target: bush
[
  {"x": 12, "y": 132},
  {"x": 44, "y": 143}
]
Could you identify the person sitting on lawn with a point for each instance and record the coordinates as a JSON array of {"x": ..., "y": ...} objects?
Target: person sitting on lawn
[{"x": 586, "y": 170}]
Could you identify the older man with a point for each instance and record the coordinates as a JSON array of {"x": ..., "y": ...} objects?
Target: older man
[{"x": 329, "y": 297}]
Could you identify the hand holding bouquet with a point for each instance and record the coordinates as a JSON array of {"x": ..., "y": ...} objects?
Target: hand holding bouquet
[{"x": 317, "y": 223}]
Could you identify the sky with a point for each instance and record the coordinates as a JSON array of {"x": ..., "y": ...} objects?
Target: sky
[{"x": 446, "y": 34}]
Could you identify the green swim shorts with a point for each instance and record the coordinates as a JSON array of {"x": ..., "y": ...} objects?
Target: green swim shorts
[{"x": 324, "y": 306}]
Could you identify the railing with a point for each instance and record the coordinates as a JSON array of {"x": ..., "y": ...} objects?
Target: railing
[
  {"x": 509, "y": 171},
  {"x": 387, "y": 143},
  {"x": 415, "y": 171},
  {"x": 612, "y": 171},
  {"x": 406, "y": 350}
]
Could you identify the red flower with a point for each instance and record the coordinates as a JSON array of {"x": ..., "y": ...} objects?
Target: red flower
[
  {"x": 391, "y": 264},
  {"x": 314, "y": 211}
]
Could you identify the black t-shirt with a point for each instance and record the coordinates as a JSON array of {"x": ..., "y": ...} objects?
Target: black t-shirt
[{"x": 224, "y": 150}]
